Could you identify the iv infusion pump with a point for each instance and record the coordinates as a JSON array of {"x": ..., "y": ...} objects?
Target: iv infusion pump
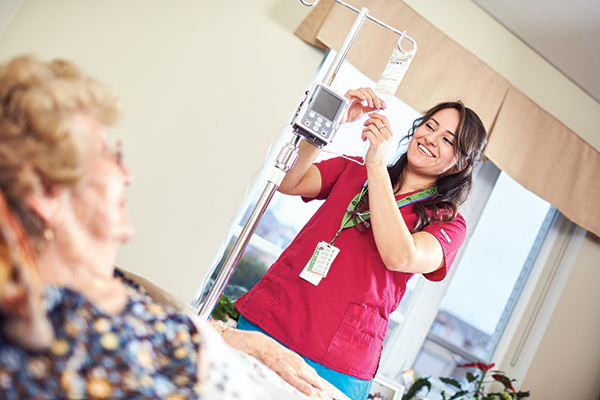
[{"x": 318, "y": 116}]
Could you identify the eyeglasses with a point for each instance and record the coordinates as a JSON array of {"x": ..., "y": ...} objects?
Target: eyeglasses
[{"x": 116, "y": 152}]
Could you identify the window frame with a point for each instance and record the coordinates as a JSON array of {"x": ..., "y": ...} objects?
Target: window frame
[
  {"x": 540, "y": 295},
  {"x": 530, "y": 314}
]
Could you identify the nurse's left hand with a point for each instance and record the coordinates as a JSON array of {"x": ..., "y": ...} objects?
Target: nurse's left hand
[{"x": 288, "y": 365}]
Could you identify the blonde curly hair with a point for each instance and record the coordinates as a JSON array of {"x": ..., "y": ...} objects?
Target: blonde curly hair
[{"x": 37, "y": 147}]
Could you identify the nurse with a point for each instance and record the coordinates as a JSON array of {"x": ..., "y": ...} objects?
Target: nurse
[{"x": 379, "y": 225}]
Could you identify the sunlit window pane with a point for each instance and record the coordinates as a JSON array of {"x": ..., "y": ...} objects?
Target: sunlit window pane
[
  {"x": 283, "y": 219},
  {"x": 495, "y": 255},
  {"x": 252, "y": 266},
  {"x": 488, "y": 279}
]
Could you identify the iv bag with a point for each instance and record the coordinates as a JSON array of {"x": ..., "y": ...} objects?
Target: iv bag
[{"x": 393, "y": 73}]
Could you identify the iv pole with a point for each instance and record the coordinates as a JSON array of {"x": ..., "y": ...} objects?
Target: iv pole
[{"x": 284, "y": 162}]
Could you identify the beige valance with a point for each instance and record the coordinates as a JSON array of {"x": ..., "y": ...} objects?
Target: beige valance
[
  {"x": 547, "y": 158},
  {"x": 526, "y": 142}
]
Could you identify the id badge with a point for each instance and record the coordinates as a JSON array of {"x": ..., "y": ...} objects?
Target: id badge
[{"x": 319, "y": 264}]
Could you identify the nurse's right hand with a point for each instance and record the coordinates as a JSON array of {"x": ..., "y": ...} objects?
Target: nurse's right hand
[{"x": 362, "y": 101}]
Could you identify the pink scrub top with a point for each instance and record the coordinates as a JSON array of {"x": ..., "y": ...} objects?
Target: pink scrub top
[{"x": 341, "y": 322}]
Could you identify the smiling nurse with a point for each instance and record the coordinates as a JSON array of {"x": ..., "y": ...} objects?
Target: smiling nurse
[{"x": 388, "y": 223}]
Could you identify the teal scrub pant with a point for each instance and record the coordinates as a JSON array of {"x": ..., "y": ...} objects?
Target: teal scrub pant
[{"x": 356, "y": 389}]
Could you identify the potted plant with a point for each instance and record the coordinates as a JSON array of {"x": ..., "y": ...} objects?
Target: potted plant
[
  {"x": 225, "y": 310},
  {"x": 472, "y": 386}
]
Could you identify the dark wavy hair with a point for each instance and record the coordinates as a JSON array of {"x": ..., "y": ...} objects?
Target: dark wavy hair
[{"x": 452, "y": 189}]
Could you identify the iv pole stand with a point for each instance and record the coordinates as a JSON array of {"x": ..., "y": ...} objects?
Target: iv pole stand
[{"x": 284, "y": 162}]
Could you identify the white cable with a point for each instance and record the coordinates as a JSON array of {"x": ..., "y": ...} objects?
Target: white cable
[{"x": 348, "y": 158}]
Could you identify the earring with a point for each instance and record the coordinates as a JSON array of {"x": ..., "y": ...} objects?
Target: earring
[{"x": 49, "y": 234}]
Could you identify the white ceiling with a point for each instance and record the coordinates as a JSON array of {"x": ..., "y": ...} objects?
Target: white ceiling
[{"x": 564, "y": 32}]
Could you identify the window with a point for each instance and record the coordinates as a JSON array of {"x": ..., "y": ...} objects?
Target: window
[
  {"x": 488, "y": 281},
  {"x": 274, "y": 233}
]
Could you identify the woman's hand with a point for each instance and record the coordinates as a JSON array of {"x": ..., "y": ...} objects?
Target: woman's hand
[
  {"x": 379, "y": 134},
  {"x": 287, "y": 364},
  {"x": 362, "y": 101},
  {"x": 290, "y": 366}
]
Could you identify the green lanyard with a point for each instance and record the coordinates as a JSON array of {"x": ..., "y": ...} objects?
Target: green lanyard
[{"x": 348, "y": 221}]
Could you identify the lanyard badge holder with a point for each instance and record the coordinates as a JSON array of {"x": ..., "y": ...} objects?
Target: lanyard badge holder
[
  {"x": 325, "y": 253},
  {"x": 319, "y": 264}
]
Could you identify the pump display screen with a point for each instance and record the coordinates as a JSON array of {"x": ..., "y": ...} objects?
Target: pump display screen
[
  {"x": 326, "y": 104},
  {"x": 318, "y": 116}
]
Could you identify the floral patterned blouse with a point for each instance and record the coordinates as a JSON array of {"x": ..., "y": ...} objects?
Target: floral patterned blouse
[{"x": 149, "y": 351}]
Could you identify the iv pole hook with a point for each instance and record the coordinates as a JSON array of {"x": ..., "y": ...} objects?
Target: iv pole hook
[{"x": 403, "y": 34}]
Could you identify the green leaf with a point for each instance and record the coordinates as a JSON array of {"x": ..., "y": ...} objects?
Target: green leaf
[
  {"x": 225, "y": 309},
  {"x": 232, "y": 311},
  {"x": 459, "y": 394},
  {"x": 471, "y": 378},
  {"x": 416, "y": 387},
  {"x": 452, "y": 382},
  {"x": 507, "y": 396},
  {"x": 522, "y": 395}
]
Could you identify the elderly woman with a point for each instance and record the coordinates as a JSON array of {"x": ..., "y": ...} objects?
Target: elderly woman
[{"x": 97, "y": 335}]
